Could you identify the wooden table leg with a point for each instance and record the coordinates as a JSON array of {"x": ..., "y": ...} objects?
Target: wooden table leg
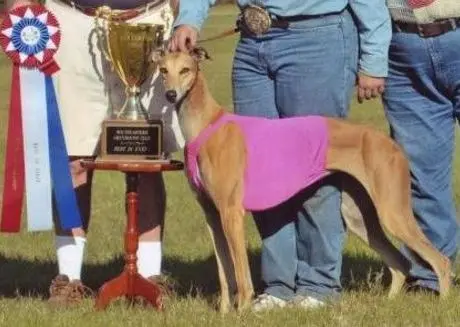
[{"x": 129, "y": 283}]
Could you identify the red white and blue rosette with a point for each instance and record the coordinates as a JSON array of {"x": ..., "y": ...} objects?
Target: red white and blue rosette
[{"x": 36, "y": 155}]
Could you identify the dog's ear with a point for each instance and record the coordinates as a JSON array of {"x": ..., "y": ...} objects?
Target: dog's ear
[
  {"x": 158, "y": 54},
  {"x": 200, "y": 54}
]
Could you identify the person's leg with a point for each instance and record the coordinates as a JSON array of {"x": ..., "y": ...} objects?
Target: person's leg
[
  {"x": 421, "y": 118},
  {"x": 66, "y": 288},
  {"x": 152, "y": 206},
  {"x": 82, "y": 98},
  {"x": 70, "y": 245},
  {"x": 253, "y": 95},
  {"x": 82, "y": 105},
  {"x": 315, "y": 71}
]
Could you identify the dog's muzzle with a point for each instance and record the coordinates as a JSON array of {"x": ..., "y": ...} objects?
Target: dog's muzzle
[{"x": 171, "y": 96}]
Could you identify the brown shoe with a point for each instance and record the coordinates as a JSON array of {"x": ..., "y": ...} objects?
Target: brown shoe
[{"x": 64, "y": 292}]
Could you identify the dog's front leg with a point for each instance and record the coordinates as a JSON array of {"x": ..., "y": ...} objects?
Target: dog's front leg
[
  {"x": 233, "y": 226},
  {"x": 221, "y": 250},
  {"x": 222, "y": 166}
]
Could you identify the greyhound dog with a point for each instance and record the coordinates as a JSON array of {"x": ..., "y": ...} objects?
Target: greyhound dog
[{"x": 226, "y": 169}]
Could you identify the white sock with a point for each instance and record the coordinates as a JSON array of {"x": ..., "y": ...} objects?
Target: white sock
[
  {"x": 149, "y": 258},
  {"x": 70, "y": 252}
]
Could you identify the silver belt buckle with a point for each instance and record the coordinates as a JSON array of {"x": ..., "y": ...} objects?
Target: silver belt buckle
[{"x": 256, "y": 19}]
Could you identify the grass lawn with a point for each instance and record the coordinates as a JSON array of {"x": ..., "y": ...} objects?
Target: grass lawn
[{"x": 28, "y": 263}]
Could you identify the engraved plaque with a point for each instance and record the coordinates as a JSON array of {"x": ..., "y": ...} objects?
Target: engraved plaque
[{"x": 136, "y": 140}]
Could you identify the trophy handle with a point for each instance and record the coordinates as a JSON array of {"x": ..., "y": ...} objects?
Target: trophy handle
[{"x": 103, "y": 13}]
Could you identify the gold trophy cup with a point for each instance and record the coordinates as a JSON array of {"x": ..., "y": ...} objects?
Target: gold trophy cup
[{"x": 129, "y": 133}]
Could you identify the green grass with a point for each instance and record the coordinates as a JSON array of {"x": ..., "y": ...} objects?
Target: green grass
[{"x": 27, "y": 260}]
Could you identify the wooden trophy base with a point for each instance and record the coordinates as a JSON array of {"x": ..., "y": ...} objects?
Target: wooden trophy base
[{"x": 131, "y": 285}]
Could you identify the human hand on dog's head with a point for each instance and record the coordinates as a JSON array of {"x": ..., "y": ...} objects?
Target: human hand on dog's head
[{"x": 183, "y": 38}]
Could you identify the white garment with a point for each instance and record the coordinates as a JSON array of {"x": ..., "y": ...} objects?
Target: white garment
[
  {"x": 437, "y": 10},
  {"x": 149, "y": 254},
  {"x": 87, "y": 87},
  {"x": 428, "y": 13},
  {"x": 400, "y": 11},
  {"x": 70, "y": 251}
]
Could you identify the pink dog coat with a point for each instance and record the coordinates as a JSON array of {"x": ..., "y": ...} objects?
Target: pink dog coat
[{"x": 284, "y": 156}]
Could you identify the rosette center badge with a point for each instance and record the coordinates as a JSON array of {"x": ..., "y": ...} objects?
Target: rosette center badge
[{"x": 33, "y": 37}]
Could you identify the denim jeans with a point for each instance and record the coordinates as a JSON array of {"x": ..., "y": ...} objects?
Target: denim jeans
[
  {"x": 422, "y": 104},
  {"x": 306, "y": 69}
]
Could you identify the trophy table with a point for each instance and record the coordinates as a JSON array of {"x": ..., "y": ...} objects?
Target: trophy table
[
  {"x": 131, "y": 141},
  {"x": 129, "y": 283}
]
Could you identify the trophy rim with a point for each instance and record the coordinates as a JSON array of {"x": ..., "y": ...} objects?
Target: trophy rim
[
  {"x": 150, "y": 25},
  {"x": 156, "y": 36}
]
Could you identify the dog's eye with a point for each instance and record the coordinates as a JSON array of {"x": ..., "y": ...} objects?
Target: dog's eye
[
  {"x": 184, "y": 70},
  {"x": 163, "y": 70}
]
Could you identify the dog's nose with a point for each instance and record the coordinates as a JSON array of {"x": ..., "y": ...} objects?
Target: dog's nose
[{"x": 171, "y": 96}]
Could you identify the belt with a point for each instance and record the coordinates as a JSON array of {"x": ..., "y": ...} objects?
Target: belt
[
  {"x": 257, "y": 20},
  {"x": 284, "y": 21},
  {"x": 118, "y": 14},
  {"x": 428, "y": 30}
]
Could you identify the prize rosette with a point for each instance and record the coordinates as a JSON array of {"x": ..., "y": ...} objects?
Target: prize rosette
[{"x": 36, "y": 157}]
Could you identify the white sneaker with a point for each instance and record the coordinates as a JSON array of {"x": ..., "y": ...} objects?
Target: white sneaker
[
  {"x": 307, "y": 302},
  {"x": 266, "y": 302}
]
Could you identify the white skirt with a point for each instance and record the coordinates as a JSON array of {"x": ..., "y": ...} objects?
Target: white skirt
[{"x": 87, "y": 88}]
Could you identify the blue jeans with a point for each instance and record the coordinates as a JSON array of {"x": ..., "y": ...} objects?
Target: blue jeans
[
  {"x": 309, "y": 68},
  {"x": 422, "y": 104}
]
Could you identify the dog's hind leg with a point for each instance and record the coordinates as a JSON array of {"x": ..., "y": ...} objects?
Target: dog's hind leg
[
  {"x": 396, "y": 216},
  {"x": 224, "y": 261},
  {"x": 410, "y": 234},
  {"x": 413, "y": 237},
  {"x": 361, "y": 218}
]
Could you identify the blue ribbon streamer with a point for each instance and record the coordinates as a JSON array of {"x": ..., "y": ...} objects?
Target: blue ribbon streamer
[{"x": 66, "y": 200}]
